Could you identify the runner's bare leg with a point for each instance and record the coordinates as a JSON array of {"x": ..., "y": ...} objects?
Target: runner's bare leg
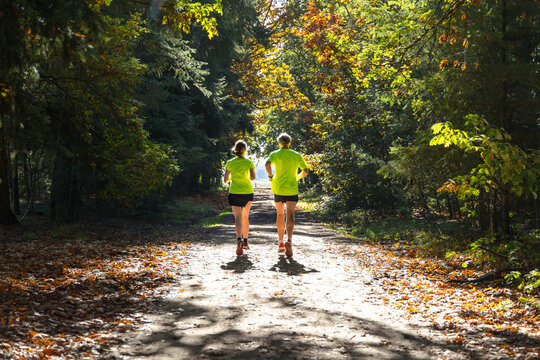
[
  {"x": 280, "y": 221},
  {"x": 291, "y": 207},
  {"x": 237, "y": 211},
  {"x": 245, "y": 220}
]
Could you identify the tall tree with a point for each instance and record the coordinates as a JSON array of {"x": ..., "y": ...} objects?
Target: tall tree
[
  {"x": 65, "y": 90},
  {"x": 188, "y": 93},
  {"x": 30, "y": 32}
]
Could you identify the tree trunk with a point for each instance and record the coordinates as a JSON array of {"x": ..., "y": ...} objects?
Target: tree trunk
[
  {"x": 482, "y": 211},
  {"x": 6, "y": 215},
  {"x": 64, "y": 188},
  {"x": 450, "y": 206},
  {"x": 154, "y": 10},
  {"x": 16, "y": 195},
  {"x": 492, "y": 219},
  {"x": 423, "y": 201},
  {"x": 505, "y": 218},
  {"x": 28, "y": 187}
]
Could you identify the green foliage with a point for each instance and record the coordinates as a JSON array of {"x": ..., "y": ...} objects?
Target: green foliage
[
  {"x": 181, "y": 13},
  {"x": 131, "y": 167},
  {"x": 529, "y": 282},
  {"x": 503, "y": 162},
  {"x": 514, "y": 254}
]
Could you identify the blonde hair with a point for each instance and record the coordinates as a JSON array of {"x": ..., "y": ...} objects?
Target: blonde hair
[
  {"x": 240, "y": 148},
  {"x": 284, "y": 139}
]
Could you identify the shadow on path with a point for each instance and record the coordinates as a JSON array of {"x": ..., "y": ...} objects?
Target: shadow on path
[
  {"x": 291, "y": 267},
  {"x": 238, "y": 265},
  {"x": 196, "y": 332}
]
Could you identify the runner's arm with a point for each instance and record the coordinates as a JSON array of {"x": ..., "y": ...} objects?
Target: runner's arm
[
  {"x": 268, "y": 167},
  {"x": 226, "y": 176},
  {"x": 303, "y": 174},
  {"x": 252, "y": 174}
]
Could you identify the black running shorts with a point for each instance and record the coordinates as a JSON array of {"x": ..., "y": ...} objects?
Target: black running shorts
[
  {"x": 285, "y": 198},
  {"x": 240, "y": 199}
]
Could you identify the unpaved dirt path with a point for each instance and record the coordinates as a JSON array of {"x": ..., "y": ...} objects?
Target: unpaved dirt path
[{"x": 316, "y": 305}]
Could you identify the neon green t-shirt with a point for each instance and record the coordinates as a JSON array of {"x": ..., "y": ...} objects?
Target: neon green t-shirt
[
  {"x": 240, "y": 179},
  {"x": 286, "y": 163}
]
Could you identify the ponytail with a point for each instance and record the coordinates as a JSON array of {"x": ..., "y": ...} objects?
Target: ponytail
[{"x": 240, "y": 148}]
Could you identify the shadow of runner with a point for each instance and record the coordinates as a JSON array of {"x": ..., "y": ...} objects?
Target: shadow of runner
[
  {"x": 238, "y": 265},
  {"x": 291, "y": 267}
]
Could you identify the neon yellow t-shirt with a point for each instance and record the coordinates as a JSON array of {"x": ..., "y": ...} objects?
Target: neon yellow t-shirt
[
  {"x": 240, "y": 179},
  {"x": 286, "y": 163}
]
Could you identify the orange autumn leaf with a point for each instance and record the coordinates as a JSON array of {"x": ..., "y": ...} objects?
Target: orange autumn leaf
[
  {"x": 51, "y": 352},
  {"x": 443, "y": 64}
]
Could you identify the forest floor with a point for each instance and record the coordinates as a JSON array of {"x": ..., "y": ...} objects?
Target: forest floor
[{"x": 182, "y": 293}]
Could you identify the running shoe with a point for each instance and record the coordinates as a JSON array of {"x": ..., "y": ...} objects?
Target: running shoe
[
  {"x": 239, "y": 248},
  {"x": 288, "y": 248},
  {"x": 281, "y": 248},
  {"x": 246, "y": 245}
]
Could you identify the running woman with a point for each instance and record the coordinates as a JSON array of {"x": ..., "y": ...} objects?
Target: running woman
[
  {"x": 239, "y": 171},
  {"x": 285, "y": 187}
]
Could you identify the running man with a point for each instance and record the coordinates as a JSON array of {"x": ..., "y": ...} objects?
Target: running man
[
  {"x": 240, "y": 171},
  {"x": 285, "y": 187}
]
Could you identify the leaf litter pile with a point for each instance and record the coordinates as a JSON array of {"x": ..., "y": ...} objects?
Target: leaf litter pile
[
  {"x": 69, "y": 296},
  {"x": 482, "y": 318}
]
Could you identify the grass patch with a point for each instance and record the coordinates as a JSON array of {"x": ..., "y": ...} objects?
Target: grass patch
[
  {"x": 434, "y": 236},
  {"x": 210, "y": 222},
  {"x": 400, "y": 228},
  {"x": 309, "y": 202}
]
